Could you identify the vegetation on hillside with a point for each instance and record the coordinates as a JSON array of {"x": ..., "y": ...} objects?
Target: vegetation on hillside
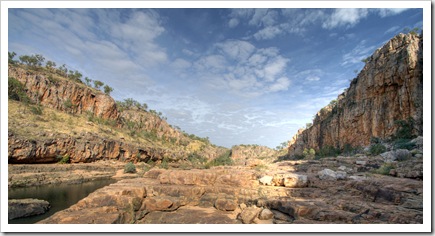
[{"x": 22, "y": 111}]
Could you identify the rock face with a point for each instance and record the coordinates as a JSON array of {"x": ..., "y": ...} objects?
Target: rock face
[
  {"x": 149, "y": 136},
  {"x": 389, "y": 88},
  {"x": 18, "y": 208},
  {"x": 89, "y": 148},
  {"x": 55, "y": 92}
]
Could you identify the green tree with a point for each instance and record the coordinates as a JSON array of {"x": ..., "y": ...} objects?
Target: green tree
[
  {"x": 128, "y": 102},
  {"x": 62, "y": 70},
  {"x": 98, "y": 84},
  {"x": 107, "y": 89},
  {"x": 16, "y": 90},
  {"x": 39, "y": 59},
  {"x": 88, "y": 81},
  {"x": 144, "y": 106},
  {"x": 11, "y": 56},
  {"x": 50, "y": 65}
]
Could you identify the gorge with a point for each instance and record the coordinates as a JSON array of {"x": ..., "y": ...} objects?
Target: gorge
[{"x": 373, "y": 175}]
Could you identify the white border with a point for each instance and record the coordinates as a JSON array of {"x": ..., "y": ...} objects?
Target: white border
[{"x": 425, "y": 227}]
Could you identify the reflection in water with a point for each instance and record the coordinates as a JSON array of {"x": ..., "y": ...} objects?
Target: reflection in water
[{"x": 60, "y": 196}]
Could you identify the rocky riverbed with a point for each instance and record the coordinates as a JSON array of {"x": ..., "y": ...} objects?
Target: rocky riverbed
[{"x": 344, "y": 190}]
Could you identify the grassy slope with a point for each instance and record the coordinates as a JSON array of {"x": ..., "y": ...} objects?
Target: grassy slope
[{"x": 25, "y": 124}]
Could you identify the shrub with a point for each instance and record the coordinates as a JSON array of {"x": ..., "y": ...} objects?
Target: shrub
[
  {"x": 405, "y": 128},
  {"x": 328, "y": 151},
  {"x": 377, "y": 149},
  {"x": 384, "y": 169},
  {"x": 37, "y": 110},
  {"x": 222, "y": 160},
  {"x": 107, "y": 89},
  {"x": 309, "y": 153},
  {"x": 63, "y": 159},
  {"x": 16, "y": 90},
  {"x": 404, "y": 144},
  {"x": 164, "y": 163},
  {"x": 130, "y": 168}
]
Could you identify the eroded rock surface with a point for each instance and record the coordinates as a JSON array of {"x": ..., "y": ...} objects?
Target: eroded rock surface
[
  {"x": 18, "y": 208},
  {"x": 235, "y": 195}
]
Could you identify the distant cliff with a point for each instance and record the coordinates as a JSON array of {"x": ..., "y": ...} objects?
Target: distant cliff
[{"x": 388, "y": 89}]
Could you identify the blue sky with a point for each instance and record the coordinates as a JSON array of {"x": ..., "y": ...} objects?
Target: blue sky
[{"x": 251, "y": 76}]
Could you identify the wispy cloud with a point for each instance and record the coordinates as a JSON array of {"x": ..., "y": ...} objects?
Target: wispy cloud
[
  {"x": 357, "y": 54},
  {"x": 347, "y": 17}
]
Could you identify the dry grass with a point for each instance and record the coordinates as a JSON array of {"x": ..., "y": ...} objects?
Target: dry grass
[{"x": 22, "y": 122}]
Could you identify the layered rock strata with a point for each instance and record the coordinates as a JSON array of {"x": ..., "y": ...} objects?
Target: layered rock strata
[
  {"x": 388, "y": 89},
  {"x": 234, "y": 195}
]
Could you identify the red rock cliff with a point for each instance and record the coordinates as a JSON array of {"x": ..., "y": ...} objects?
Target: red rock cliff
[
  {"x": 389, "y": 88},
  {"x": 55, "y": 92}
]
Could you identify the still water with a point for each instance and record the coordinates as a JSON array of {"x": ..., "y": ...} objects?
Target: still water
[{"x": 60, "y": 196}]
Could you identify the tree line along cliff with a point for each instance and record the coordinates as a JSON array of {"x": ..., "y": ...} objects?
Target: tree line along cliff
[{"x": 387, "y": 92}]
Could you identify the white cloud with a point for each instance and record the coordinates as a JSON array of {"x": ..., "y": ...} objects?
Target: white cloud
[
  {"x": 313, "y": 78},
  {"x": 263, "y": 17},
  {"x": 233, "y": 22},
  {"x": 281, "y": 84},
  {"x": 236, "y": 49},
  {"x": 187, "y": 52},
  {"x": 274, "y": 68},
  {"x": 213, "y": 63},
  {"x": 358, "y": 53},
  {"x": 384, "y": 12},
  {"x": 268, "y": 33},
  {"x": 180, "y": 63},
  {"x": 345, "y": 17},
  {"x": 392, "y": 29}
]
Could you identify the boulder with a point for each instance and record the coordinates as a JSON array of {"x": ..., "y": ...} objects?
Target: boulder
[
  {"x": 225, "y": 204},
  {"x": 266, "y": 180},
  {"x": 18, "y": 208},
  {"x": 290, "y": 180},
  {"x": 341, "y": 175},
  {"x": 249, "y": 214},
  {"x": 327, "y": 174},
  {"x": 396, "y": 155},
  {"x": 265, "y": 214},
  {"x": 418, "y": 143},
  {"x": 295, "y": 181}
]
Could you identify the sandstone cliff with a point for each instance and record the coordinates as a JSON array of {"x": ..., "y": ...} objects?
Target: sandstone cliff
[
  {"x": 88, "y": 125},
  {"x": 54, "y": 92},
  {"x": 388, "y": 89}
]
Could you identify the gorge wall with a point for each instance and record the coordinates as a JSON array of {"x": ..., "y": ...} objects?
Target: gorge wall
[
  {"x": 145, "y": 135},
  {"x": 388, "y": 89}
]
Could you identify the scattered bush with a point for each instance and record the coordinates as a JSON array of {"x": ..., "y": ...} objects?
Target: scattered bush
[
  {"x": 384, "y": 169},
  {"x": 222, "y": 160},
  {"x": 37, "y": 110},
  {"x": 404, "y": 144},
  {"x": 130, "y": 168},
  {"x": 376, "y": 149},
  {"x": 164, "y": 163},
  {"x": 405, "y": 128},
  {"x": 328, "y": 151},
  {"x": 309, "y": 154},
  {"x": 16, "y": 90},
  {"x": 63, "y": 159},
  {"x": 107, "y": 89}
]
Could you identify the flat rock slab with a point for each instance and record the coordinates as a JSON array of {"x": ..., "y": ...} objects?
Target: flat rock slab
[
  {"x": 189, "y": 215},
  {"x": 18, "y": 208}
]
